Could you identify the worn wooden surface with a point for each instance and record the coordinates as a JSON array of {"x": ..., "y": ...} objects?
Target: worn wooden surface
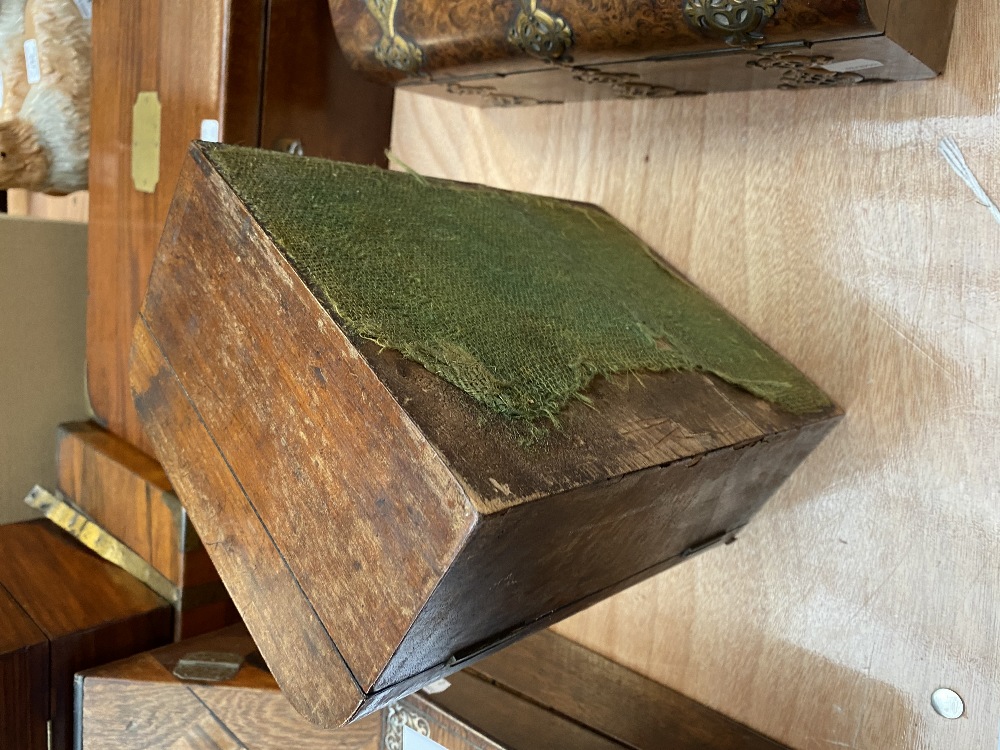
[
  {"x": 546, "y": 692},
  {"x": 414, "y": 564},
  {"x": 138, "y": 704},
  {"x": 90, "y": 611},
  {"x": 127, "y": 494},
  {"x": 247, "y": 575},
  {"x": 24, "y": 678},
  {"x": 175, "y": 49},
  {"x": 830, "y": 224},
  {"x": 259, "y": 69}
]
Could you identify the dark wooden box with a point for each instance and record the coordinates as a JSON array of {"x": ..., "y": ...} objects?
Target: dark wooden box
[
  {"x": 378, "y": 528},
  {"x": 522, "y": 52},
  {"x": 544, "y": 692},
  {"x": 62, "y": 609}
]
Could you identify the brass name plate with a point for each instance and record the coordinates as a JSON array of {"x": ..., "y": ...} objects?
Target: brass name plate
[{"x": 146, "y": 141}]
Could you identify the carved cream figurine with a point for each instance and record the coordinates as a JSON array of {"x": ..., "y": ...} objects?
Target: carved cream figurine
[{"x": 44, "y": 142}]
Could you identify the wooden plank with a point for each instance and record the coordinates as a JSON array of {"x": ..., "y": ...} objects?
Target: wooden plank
[
  {"x": 174, "y": 48},
  {"x": 24, "y": 679},
  {"x": 249, "y": 65},
  {"x": 128, "y": 495},
  {"x": 829, "y": 223},
  {"x": 89, "y": 610},
  {"x": 567, "y": 679},
  {"x": 138, "y": 704}
]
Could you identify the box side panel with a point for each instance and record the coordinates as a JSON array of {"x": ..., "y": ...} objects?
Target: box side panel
[
  {"x": 634, "y": 421},
  {"x": 294, "y": 641},
  {"x": 542, "y": 558},
  {"x": 359, "y": 505},
  {"x": 842, "y": 63},
  {"x": 24, "y": 678},
  {"x": 923, "y": 28},
  {"x": 91, "y": 611}
]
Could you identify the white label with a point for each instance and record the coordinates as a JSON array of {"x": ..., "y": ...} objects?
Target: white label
[
  {"x": 413, "y": 740},
  {"x": 438, "y": 686},
  {"x": 31, "y": 61},
  {"x": 210, "y": 131},
  {"x": 86, "y": 7},
  {"x": 849, "y": 66}
]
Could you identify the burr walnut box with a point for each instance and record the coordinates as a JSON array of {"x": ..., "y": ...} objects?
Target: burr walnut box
[
  {"x": 519, "y": 52},
  {"x": 414, "y": 420}
]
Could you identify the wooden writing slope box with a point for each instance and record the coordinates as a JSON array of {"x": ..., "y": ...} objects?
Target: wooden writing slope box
[
  {"x": 379, "y": 525},
  {"x": 84, "y": 612},
  {"x": 544, "y": 692},
  {"x": 523, "y": 52}
]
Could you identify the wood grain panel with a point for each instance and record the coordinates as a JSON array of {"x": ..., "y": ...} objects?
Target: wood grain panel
[
  {"x": 828, "y": 222},
  {"x": 551, "y": 671},
  {"x": 331, "y": 687},
  {"x": 175, "y": 48},
  {"x": 24, "y": 678},
  {"x": 138, "y": 704},
  {"x": 311, "y": 95},
  {"x": 90, "y": 611},
  {"x": 126, "y": 492}
]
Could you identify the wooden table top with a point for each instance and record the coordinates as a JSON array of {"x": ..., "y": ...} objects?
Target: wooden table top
[{"x": 830, "y": 224}]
